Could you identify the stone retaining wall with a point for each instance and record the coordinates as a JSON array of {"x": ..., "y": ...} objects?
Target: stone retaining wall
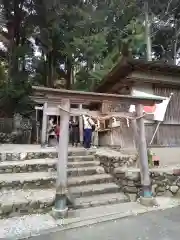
[
  {"x": 165, "y": 181},
  {"x": 26, "y": 155},
  {"x": 15, "y": 156},
  {"x": 111, "y": 159}
]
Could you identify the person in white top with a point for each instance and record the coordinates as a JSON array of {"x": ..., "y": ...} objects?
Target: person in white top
[
  {"x": 95, "y": 140},
  {"x": 89, "y": 127}
]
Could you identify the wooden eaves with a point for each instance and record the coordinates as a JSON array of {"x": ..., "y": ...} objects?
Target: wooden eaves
[
  {"x": 119, "y": 74},
  {"x": 44, "y": 94}
]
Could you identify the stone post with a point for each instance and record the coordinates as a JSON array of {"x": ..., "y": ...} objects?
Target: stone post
[{"x": 60, "y": 209}]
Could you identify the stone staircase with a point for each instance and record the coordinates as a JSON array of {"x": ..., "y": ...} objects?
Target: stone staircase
[{"x": 27, "y": 182}]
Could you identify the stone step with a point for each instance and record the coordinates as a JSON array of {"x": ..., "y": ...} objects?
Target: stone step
[
  {"x": 44, "y": 153},
  {"x": 94, "y": 189},
  {"x": 22, "y": 202},
  {"x": 34, "y": 180},
  {"x": 101, "y": 199},
  {"x": 83, "y": 171},
  {"x": 80, "y": 158},
  {"x": 38, "y": 165}
]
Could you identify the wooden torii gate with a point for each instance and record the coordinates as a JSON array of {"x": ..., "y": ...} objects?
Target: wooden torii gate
[{"x": 64, "y": 98}]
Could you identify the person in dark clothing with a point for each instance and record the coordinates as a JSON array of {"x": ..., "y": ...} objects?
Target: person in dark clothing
[
  {"x": 74, "y": 133},
  {"x": 57, "y": 131}
]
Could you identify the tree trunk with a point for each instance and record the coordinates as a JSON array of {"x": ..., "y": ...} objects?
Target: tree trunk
[
  {"x": 51, "y": 69},
  {"x": 10, "y": 52},
  {"x": 175, "y": 42},
  {"x": 68, "y": 73}
]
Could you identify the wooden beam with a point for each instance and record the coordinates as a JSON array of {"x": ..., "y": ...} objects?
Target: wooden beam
[
  {"x": 50, "y": 111},
  {"x": 38, "y": 108},
  {"x": 80, "y": 97}
]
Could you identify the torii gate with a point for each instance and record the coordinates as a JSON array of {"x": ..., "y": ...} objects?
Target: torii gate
[{"x": 64, "y": 98}]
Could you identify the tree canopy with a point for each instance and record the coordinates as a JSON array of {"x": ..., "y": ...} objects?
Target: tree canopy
[{"x": 74, "y": 43}]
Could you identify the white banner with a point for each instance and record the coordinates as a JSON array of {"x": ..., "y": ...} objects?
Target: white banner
[{"x": 158, "y": 110}]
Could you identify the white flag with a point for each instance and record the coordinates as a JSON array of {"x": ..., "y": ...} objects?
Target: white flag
[{"x": 160, "y": 110}]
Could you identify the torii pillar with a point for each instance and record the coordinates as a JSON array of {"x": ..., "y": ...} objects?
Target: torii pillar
[
  {"x": 146, "y": 198},
  {"x": 60, "y": 209}
]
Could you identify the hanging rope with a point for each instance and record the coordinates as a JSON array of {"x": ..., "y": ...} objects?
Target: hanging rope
[{"x": 106, "y": 117}]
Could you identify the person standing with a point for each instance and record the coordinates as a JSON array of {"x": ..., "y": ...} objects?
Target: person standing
[
  {"x": 95, "y": 137},
  {"x": 70, "y": 132},
  {"x": 89, "y": 127},
  {"x": 57, "y": 131},
  {"x": 51, "y": 133},
  {"x": 74, "y": 133}
]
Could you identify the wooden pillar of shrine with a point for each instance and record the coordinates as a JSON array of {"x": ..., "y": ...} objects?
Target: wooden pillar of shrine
[
  {"x": 81, "y": 134},
  {"x": 44, "y": 126}
]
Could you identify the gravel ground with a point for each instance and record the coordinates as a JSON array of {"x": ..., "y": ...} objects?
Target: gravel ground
[
  {"x": 32, "y": 225},
  {"x": 160, "y": 225},
  {"x": 23, "y": 226}
]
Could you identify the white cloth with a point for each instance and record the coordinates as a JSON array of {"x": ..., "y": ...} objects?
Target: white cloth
[
  {"x": 88, "y": 122},
  {"x": 159, "y": 110}
]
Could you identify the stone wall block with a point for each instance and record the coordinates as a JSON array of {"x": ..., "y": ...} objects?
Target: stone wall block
[
  {"x": 154, "y": 187},
  {"x": 178, "y": 193},
  {"x": 177, "y": 182},
  {"x": 168, "y": 194},
  {"x": 128, "y": 189},
  {"x": 131, "y": 183},
  {"x": 161, "y": 189},
  {"x": 132, "y": 175},
  {"x": 171, "y": 178},
  {"x": 174, "y": 189}
]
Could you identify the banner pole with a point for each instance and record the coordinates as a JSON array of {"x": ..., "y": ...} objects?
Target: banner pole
[{"x": 157, "y": 127}]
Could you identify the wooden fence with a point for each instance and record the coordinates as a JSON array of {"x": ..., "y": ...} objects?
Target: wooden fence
[{"x": 167, "y": 135}]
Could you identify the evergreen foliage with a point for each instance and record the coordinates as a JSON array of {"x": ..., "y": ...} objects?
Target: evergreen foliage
[{"x": 75, "y": 43}]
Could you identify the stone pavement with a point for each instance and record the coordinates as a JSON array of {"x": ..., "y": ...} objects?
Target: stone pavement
[
  {"x": 34, "y": 225},
  {"x": 29, "y": 148},
  {"x": 160, "y": 225}
]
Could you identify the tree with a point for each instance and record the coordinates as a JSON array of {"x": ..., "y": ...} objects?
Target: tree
[
  {"x": 78, "y": 41},
  {"x": 15, "y": 86},
  {"x": 120, "y": 28},
  {"x": 165, "y": 17}
]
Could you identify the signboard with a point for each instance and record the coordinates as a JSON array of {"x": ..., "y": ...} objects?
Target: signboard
[{"x": 115, "y": 123}]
